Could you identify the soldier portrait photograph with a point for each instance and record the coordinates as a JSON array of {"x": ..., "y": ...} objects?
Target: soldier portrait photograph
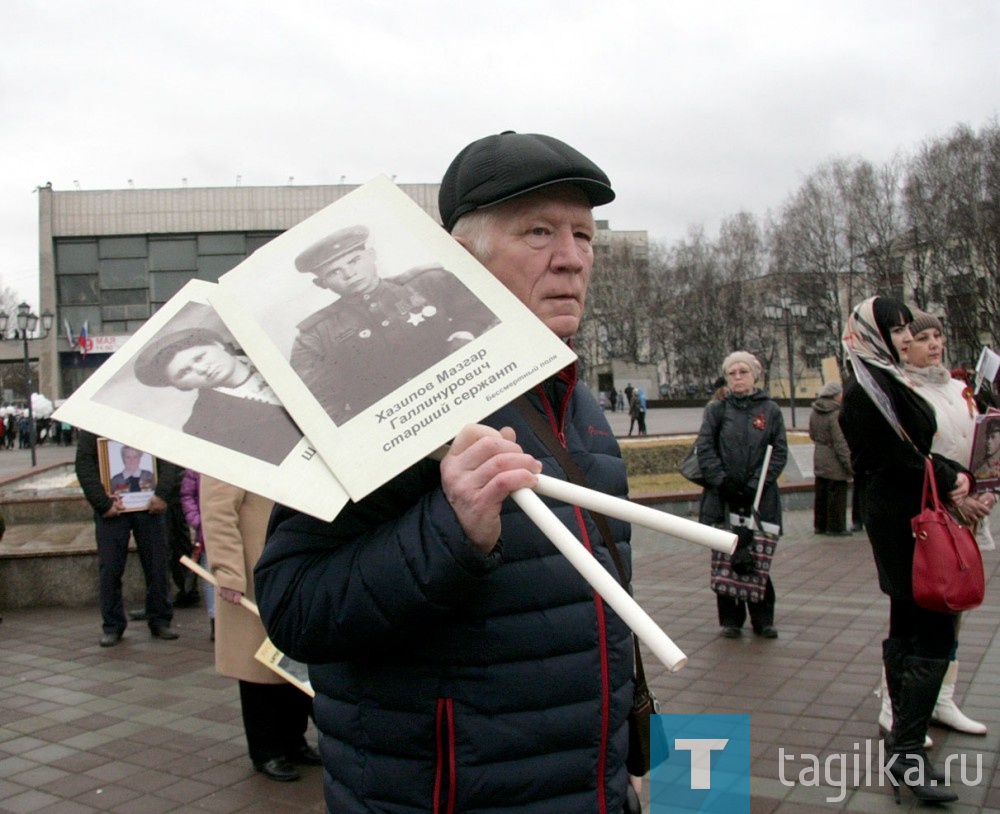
[{"x": 383, "y": 329}]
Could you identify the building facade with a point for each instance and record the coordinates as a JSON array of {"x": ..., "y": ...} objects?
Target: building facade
[{"x": 108, "y": 259}]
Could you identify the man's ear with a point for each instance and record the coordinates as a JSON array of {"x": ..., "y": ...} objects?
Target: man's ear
[{"x": 463, "y": 242}]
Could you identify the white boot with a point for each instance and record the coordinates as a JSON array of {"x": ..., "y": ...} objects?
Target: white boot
[
  {"x": 946, "y": 712},
  {"x": 885, "y": 713}
]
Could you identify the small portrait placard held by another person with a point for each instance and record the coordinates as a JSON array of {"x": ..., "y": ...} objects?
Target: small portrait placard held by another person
[
  {"x": 128, "y": 473},
  {"x": 985, "y": 463}
]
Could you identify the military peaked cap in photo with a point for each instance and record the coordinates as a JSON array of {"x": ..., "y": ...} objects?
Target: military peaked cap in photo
[
  {"x": 341, "y": 242},
  {"x": 498, "y": 168}
]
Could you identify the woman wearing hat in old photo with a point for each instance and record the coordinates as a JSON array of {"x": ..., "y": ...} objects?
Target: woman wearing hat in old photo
[{"x": 235, "y": 407}]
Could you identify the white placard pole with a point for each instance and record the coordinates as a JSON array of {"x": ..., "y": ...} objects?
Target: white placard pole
[
  {"x": 601, "y": 580},
  {"x": 709, "y": 536},
  {"x": 620, "y": 509},
  {"x": 209, "y": 577}
]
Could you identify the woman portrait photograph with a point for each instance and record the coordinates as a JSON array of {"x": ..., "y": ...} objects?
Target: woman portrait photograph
[{"x": 192, "y": 376}]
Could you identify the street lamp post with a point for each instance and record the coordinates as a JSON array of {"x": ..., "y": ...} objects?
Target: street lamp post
[
  {"x": 27, "y": 323},
  {"x": 787, "y": 310}
]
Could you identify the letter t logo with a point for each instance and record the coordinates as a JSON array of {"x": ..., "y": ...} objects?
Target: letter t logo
[{"x": 701, "y": 758}]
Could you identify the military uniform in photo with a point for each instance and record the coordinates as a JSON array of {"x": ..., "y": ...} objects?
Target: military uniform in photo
[{"x": 370, "y": 342}]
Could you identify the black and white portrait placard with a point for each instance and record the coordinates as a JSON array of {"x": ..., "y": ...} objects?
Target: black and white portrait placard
[
  {"x": 183, "y": 389},
  {"x": 381, "y": 334}
]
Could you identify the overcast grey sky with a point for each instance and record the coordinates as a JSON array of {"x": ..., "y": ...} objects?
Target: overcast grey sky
[{"x": 696, "y": 110}]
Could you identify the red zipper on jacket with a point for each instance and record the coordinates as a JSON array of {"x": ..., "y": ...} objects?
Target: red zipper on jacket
[
  {"x": 557, "y": 427},
  {"x": 444, "y": 725},
  {"x": 605, "y": 680}
]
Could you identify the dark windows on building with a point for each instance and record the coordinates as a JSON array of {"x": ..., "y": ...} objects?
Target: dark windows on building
[{"x": 114, "y": 284}]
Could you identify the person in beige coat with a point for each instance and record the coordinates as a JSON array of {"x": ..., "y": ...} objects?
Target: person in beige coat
[{"x": 275, "y": 713}]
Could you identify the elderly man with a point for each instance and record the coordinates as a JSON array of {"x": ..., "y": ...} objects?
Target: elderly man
[
  {"x": 460, "y": 662},
  {"x": 380, "y": 332}
]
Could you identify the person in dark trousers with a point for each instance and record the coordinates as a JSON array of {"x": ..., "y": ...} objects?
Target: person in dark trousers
[
  {"x": 180, "y": 544},
  {"x": 831, "y": 463},
  {"x": 732, "y": 443},
  {"x": 275, "y": 712},
  {"x": 889, "y": 461},
  {"x": 113, "y": 527},
  {"x": 455, "y": 668}
]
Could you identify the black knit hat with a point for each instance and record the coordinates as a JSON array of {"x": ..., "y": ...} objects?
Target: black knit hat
[{"x": 497, "y": 168}]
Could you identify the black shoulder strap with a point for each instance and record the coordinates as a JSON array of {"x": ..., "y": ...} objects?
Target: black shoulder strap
[{"x": 547, "y": 436}]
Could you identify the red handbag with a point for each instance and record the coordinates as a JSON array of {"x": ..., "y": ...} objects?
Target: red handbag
[{"x": 947, "y": 566}]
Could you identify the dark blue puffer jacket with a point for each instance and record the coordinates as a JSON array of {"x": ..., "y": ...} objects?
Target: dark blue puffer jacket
[{"x": 448, "y": 681}]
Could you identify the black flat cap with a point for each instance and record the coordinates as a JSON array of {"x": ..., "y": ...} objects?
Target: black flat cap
[{"x": 498, "y": 168}]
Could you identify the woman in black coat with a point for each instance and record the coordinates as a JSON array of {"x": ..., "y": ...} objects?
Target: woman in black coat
[
  {"x": 889, "y": 469},
  {"x": 735, "y": 433}
]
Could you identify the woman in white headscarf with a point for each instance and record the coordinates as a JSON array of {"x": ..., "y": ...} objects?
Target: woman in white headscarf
[{"x": 890, "y": 428}]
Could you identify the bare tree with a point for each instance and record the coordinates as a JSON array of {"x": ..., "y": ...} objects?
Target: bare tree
[
  {"x": 741, "y": 260},
  {"x": 871, "y": 196},
  {"x": 619, "y": 294},
  {"x": 687, "y": 295},
  {"x": 813, "y": 254},
  {"x": 925, "y": 229},
  {"x": 953, "y": 211}
]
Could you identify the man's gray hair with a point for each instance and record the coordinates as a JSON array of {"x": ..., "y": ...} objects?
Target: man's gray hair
[{"x": 476, "y": 229}]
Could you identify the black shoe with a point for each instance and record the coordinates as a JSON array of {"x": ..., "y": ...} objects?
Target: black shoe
[
  {"x": 110, "y": 639},
  {"x": 767, "y": 632},
  {"x": 166, "y": 632},
  {"x": 278, "y": 768},
  {"x": 731, "y": 632},
  {"x": 186, "y": 599},
  {"x": 844, "y": 533},
  {"x": 924, "y": 781},
  {"x": 305, "y": 755},
  {"x": 138, "y": 615}
]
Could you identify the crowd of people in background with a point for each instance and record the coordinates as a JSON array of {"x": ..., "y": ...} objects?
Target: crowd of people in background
[{"x": 15, "y": 430}]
